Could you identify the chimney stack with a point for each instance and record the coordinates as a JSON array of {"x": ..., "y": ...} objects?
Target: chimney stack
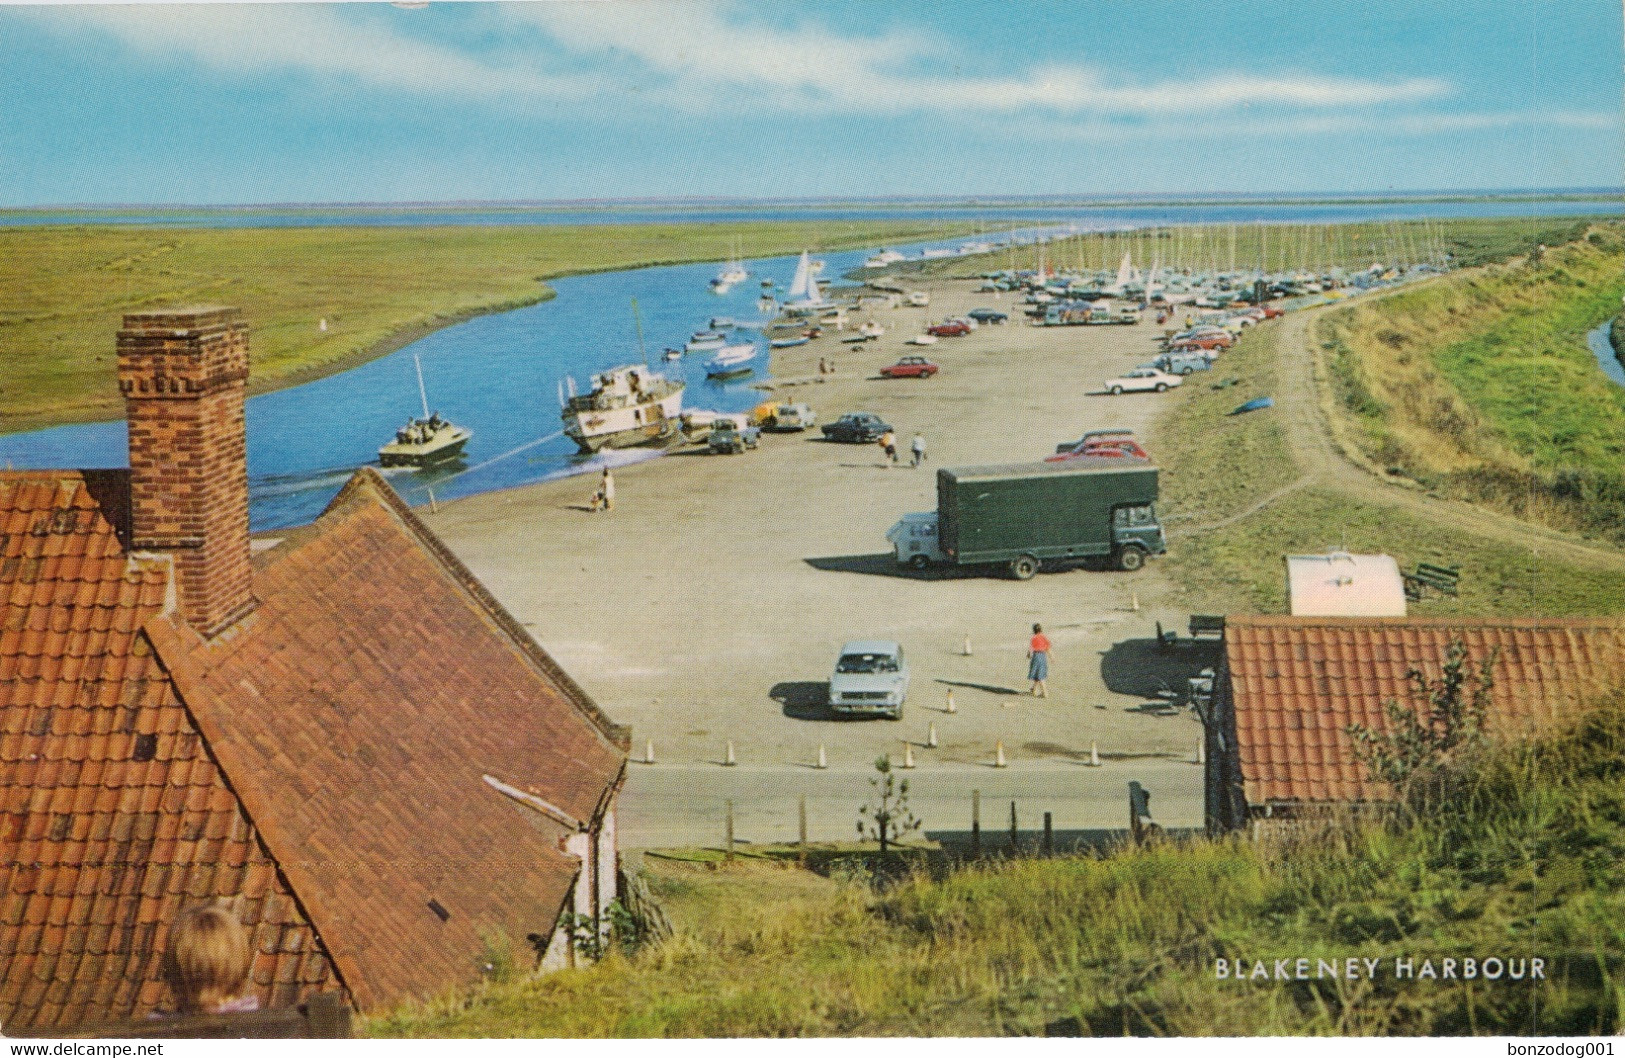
[{"x": 184, "y": 373}]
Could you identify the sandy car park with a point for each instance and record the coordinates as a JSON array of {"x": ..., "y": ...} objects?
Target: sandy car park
[{"x": 709, "y": 605}]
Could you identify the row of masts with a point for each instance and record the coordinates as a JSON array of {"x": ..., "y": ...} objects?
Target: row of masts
[{"x": 1242, "y": 248}]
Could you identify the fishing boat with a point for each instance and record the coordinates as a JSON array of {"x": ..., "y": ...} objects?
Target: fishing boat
[
  {"x": 705, "y": 343},
  {"x": 426, "y": 441},
  {"x": 789, "y": 343},
  {"x": 628, "y": 406},
  {"x": 730, "y": 361}
]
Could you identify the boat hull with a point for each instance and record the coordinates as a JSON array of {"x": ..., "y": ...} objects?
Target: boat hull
[{"x": 417, "y": 455}]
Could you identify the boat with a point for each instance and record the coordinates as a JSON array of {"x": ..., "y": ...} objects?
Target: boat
[
  {"x": 722, "y": 323},
  {"x": 705, "y": 343},
  {"x": 871, "y": 329},
  {"x": 804, "y": 295},
  {"x": 733, "y": 273},
  {"x": 628, "y": 406},
  {"x": 426, "y": 441},
  {"x": 789, "y": 343},
  {"x": 884, "y": 258},
  {"x": 1256, "y": 404},
  {"x": 731, "y": 360}
]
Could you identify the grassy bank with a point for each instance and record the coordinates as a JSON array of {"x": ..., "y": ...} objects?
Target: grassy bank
[
  {"x": 1481, "y": 385},
  {"x": 1218, "y": 468},
  {"x": 1277, "y": 247},
  {"x": 1520, "y": 864},
  {"x": 63, "y": 289}
]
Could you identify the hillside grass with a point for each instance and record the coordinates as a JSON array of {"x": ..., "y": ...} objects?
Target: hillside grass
[
  {"x": 64, "y": 289},
  {"x": 1518, "y": 862},
  {"x": 1481, "y": 386}
]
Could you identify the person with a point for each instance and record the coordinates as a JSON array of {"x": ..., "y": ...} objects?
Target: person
[
  {"x": 918, "y": 448},
  {"x": 1038, "y": 662},
  {"x": 606, "y": 488},
  {"x": 888, "y": 441},
  {"x": 208, "y": 963}
]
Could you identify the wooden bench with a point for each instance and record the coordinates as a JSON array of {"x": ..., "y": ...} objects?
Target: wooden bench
[{"x": 1446, "y": 580}]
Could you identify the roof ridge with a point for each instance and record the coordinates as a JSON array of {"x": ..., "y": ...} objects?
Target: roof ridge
[
  {"x": 368, "y": 480},
  {"x": 1465, "y": 621}
]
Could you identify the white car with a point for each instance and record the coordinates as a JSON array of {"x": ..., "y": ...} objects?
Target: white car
[
  {"x": 870, "y": 677},
  {"x": 1143, "y": 379}
]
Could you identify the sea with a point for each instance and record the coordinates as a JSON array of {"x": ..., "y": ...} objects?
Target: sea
[{"x": 501, "y": 375}]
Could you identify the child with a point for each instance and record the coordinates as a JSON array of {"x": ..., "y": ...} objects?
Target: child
[{"x": 209, "y": 962}]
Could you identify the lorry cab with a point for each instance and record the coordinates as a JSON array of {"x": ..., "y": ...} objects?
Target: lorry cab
[
  {"x": 1136, "y": 533},
  {"x": 914, "y": 540}
]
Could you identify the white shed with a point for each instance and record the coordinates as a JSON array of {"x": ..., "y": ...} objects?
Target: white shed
[{"x": 1338, "y": 584}]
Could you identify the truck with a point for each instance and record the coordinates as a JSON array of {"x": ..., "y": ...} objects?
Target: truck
[{"x": 1020, "y": 516}]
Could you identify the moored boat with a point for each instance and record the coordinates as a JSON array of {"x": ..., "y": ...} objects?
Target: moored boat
[
  {"x": 628, "y": 406},
  {"x": 731, "y": 360},
  {"x": 426, "y": 441}
]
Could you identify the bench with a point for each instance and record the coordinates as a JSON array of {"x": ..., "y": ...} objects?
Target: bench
[{"x": 1446, "y": 580}]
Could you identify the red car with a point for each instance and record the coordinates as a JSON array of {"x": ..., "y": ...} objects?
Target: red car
[
  {"x": 1102, "y": 448},
  {"x": 950, "y": 329},
  {"x": 910, "y": 367},
  {"x": 1270, "y": 311},
  {"x": 1204, "y": 341}
]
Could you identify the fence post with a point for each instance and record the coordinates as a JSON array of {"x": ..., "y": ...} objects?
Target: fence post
[
  {"x": 976, "y": 823},
  {"x": 802, "y": 830},
  {"x": 1049, "y": 836},
  {"x": 729, "y": 831},
  {"x": 1015, "y": 846}
]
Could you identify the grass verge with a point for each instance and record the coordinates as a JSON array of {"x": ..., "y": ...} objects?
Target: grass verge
[
  {"x": 63, "y": 289},
  {"x": 1518, "y": 865}
]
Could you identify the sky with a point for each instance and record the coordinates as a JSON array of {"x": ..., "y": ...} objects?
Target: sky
[{"x": 559, "y": 99}]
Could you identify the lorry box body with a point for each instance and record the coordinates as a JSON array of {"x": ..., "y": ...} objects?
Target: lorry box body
[{"x": 1080, "y": 508}]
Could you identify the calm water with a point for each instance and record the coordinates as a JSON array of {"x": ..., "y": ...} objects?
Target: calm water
[
  {"x": 1603, "y": 350},
  {"x": 1086, "y": 216},
  {"x": 499, "y": 375}
]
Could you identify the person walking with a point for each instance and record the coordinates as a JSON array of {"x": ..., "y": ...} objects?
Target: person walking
[
  {"x": 918, "y": 448},
  {"x": 1038, "y": 662},
  {"x": 888, "y": 441},
  {"x": 607, "y": 487}
]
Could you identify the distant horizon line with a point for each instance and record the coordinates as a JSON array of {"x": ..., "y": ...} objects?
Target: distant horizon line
[{"x": 969, "y": 200}]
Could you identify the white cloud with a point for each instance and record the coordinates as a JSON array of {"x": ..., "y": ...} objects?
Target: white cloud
[
  {"x": 1225, "y": 126},
  {"x": 705, "y": 48},
  {"x": 314, "y": 39}
]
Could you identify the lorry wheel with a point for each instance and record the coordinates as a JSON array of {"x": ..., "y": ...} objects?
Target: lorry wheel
[
  {"x": 1130, "y": 559},
  {"x": 919, "y": 561},
  {"x": 1024, "y": 567}
]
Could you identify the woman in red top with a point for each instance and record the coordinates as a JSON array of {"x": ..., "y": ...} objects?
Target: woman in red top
[{"x": 1038, "y": 662}]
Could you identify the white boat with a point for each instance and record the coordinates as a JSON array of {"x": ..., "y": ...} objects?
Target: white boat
[
  {"x": 884, "y": 258},
  {"x": 628, "y": 406},
  {"x": 705, "y": 343},
  {"x": 804, "y": 295},
  {"x": 923, "y": 339},
  {"x": 733, "y": 273},
  {"x": 871, "y": 329},
  {"x": 423, "y": 442},
  {"x": 730, "y": 360}
]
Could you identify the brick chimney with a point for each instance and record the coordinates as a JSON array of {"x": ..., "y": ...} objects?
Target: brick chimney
[{"x": 183, "y": 373}]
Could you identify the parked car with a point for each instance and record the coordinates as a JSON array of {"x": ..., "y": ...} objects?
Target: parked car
[
  {"x": 870, "y": 677},
  {"x": 1271, "y": 312},
  {"x": 1183, "y": 362},
  {"x": 1142, "y": 379},
  {"x": 856, "y": 427},
  {"x": 788, "y": 418},
  {"x": 1102, "y": 448},
  {"x": 950, "y": 329},
  {"x": 987, "y": 316},
  {"x": 728, "y": 437},
  {"x": 1207, "y": 340},
  {"x": 1110, "y": 433},
  {"x": 910, "y": 367},
  {"x": 918, "y": 299}
]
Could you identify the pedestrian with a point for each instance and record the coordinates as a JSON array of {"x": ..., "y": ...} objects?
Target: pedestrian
[
  {"x": 918, "y": 448},
  {"x": 208, "y": 962},
  {"x": 888, "y": 441},
  {"x": 823, "y": 368},
  {"x": 1038, "y": 662},
  {"x": 607, "y": 487}
]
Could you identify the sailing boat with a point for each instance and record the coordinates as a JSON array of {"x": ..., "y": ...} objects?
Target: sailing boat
[
  {"x": 1125, "y": 276},
  {"x": 733, "y": 273},
  {"x": 804, "y": 295},
  {"x": 422, "y": 442}
]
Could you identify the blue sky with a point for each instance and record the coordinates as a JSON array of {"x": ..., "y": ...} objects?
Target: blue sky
[{"x": 628, "y": 98}]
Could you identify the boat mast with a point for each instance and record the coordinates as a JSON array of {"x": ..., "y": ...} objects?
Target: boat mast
[
  {"x": 423, "y": 394},
  {"x": 637, "y": 321}
]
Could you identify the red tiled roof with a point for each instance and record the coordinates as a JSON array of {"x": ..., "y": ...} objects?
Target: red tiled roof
[
  {"x": 358, "y": 711},
  {"x": 113, "y": 811},
  {"x": 1297, "y": 684}
]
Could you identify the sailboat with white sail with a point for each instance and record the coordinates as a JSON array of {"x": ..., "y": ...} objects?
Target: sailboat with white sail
[
  {"x": 733, "y": 273},
  {"x": 804, "y": 296}
]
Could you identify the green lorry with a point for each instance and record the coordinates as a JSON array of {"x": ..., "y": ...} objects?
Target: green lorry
[{"x": 1022, "y": 515}]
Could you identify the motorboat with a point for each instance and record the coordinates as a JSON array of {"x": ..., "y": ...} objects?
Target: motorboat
[
  {"x": 628, "y": 406},
  {"x": 731, "y": 360},
  {"x": 426, "y": 441}
]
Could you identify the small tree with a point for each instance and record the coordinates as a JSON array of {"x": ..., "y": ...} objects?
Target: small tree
[
  {"x": 1444, "y": 719},
  {"x": 886, "y": 818}
]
